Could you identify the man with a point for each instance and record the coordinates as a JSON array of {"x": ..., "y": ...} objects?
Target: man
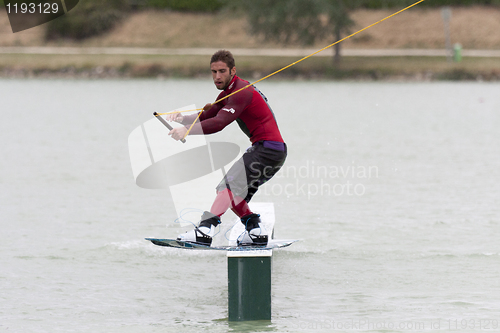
[{"x": 260, "y": 162}]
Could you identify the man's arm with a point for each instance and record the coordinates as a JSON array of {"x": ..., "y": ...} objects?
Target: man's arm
[
  {"x": 225, "y": 114},
  {"x": 209, "y": 111}
]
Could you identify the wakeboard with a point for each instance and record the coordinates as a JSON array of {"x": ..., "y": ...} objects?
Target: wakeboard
[{"x": 272, "y": 244}]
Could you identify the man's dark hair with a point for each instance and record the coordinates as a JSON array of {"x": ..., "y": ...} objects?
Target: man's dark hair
[{"x": 224, "y": 56}]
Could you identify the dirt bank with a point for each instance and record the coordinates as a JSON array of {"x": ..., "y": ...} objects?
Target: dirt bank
[{"x": 473, "y": 27}]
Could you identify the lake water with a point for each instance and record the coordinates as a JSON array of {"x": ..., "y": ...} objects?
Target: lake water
[{"x": 392, "y": 188}]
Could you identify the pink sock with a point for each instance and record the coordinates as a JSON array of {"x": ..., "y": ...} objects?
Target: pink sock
[{"x": 226, "y": 199}]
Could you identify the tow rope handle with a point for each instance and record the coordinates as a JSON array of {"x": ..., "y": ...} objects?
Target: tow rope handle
[{"x": 164, "y": 122}]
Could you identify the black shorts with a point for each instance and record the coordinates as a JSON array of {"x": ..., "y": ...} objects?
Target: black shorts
[{"x": 257, "y": 165}]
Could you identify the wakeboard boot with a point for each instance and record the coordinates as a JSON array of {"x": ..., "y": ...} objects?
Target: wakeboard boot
[
  {"x": 203, "y": 233},
  {"x": 255, "y": 232}
]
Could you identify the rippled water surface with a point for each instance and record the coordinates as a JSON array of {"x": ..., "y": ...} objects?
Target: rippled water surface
[{"x": 392, "y": 188}]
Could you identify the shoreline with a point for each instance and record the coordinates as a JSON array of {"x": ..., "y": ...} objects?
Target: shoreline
[
  {"x": 156, "y": 73},
  {"x": 98, "y": 65}
]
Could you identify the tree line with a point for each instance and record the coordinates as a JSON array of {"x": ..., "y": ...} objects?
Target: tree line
[{"x": 214, "y": 5}]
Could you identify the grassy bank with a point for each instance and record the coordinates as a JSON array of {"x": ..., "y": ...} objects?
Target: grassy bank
[{"x": 252, "y": 68}]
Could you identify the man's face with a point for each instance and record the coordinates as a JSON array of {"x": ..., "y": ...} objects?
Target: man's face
[{"x": 221, "y": 74}]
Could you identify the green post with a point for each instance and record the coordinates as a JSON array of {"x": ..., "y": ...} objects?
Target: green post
[
  {"x": 457, "y": 52},
  {"x": 249, "y": 285}
]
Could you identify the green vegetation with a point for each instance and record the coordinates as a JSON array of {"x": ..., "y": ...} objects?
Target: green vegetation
[
  {"x": 377, "y": 4},
  {"x": 278, "y": 20},
  {"x": 214, "y": 5},
  {"x": 286, "y": 21},
  {"x": 251, "y": 68},
  {"x": 89, "y": 18},
  {"x": 188, "y": 5}
]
